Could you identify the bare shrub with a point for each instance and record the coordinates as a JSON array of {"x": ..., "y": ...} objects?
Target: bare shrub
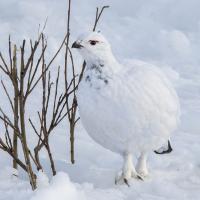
[{"x": 26, "y": 68}]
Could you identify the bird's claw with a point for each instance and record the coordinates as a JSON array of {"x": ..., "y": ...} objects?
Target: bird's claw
[
  {"x": 121, "y": 178},
  {"x": 126, "y": 182},
  {"x": 140, "y": 178}
]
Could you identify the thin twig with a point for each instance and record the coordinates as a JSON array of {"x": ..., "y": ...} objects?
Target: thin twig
[{"x": 7, "y": 94}]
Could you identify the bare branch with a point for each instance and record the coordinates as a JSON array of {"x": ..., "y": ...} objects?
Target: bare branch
[
  {"x": 10, "y": 152},
  {"x": 6, "y": 66},
  {"x": 98, "y": 15},
  {"x": 35, "y": 84},
  {"x": 7, "y": 94}
]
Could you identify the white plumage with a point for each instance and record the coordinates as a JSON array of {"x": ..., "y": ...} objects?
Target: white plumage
[{"x": 125, "y": 108}]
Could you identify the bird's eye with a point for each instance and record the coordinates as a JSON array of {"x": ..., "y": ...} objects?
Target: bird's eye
[{"x": 93, "y": 42}]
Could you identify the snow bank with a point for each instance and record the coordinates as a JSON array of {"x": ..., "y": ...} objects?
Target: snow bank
[
  {"x": 60, "y": 188},
  {"x": 12, "y": 187}
]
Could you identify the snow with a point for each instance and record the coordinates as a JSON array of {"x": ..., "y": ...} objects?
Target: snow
[
  {"x": 59, "y": 188},
  {"x": 42, "y": 179},
  {"x": 164, "y": 33}
]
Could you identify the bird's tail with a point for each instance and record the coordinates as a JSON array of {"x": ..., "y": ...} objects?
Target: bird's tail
[{"x": 164, "y": 149}]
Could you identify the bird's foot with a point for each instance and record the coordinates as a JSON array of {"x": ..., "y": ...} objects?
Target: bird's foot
[
  {"x": 125, "y": 177},
  {"x": 142, "y": 173}
]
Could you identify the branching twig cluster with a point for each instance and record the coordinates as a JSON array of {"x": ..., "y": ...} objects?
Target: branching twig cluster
[
  {"x": 18, "y": 104},
  {"x": 72, "y": 114},
  {"x": 25, "y": 75},
  {"x": 25, "y": 71}
]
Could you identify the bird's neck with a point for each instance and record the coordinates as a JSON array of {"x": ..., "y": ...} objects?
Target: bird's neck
[
  {"x": 100, "y": 72},
  {"x": 107, "y": 64}
]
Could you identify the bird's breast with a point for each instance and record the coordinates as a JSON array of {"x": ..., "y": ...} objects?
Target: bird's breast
[{"x": 95, "y": 78}]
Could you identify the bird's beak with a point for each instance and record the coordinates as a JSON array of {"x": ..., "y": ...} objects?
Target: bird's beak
[{"x": 77, "y": 45}]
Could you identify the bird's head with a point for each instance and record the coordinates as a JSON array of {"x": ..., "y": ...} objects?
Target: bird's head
[{"x": 92, "y": 46}]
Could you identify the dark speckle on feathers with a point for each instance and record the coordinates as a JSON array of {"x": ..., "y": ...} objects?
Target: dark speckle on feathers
[
  {"x": 87, "y": 78},
  {"x": 97, "y": 73},
  {"x": 106, "y": 81},
  {"x": 102, "y": 78},
  {"x": 96, "y": 68}
]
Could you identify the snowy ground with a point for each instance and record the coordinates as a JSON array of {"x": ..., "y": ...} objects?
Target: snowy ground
[{"x": 163, "y": 32}]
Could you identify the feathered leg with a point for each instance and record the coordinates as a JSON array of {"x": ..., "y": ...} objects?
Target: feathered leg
[
  {"x": 128, "y": 171},
  {"x": 141, "y": 167}
]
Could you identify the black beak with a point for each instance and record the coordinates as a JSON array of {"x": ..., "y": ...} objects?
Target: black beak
[{"x": 76, "y": 45}]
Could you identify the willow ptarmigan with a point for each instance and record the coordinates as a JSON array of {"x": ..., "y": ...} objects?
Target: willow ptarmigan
[{"x": 125, "y": 108}]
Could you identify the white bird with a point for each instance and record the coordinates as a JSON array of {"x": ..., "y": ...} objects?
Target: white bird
[{"x": 126, "y": 109}]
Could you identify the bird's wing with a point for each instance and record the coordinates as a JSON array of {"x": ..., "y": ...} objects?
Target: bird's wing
[{"x": 150, "y": 90}]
